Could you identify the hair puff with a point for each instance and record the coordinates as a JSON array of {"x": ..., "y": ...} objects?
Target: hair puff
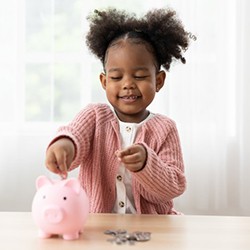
[{"x": 161, "y": 28}]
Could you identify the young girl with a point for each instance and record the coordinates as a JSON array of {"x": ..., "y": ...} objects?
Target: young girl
[{"x": 130, "y": 158}]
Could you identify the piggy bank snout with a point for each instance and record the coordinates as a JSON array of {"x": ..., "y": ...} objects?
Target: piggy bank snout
[{"x": 53, "y": 214}]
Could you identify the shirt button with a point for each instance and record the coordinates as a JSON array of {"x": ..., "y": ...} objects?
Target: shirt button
[
  {"x": 121, "y": 204},
  {"x": 128, "y": 129},
  {"x": 119, "y": 178}
]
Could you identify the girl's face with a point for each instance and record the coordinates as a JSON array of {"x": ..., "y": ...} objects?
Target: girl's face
[{"x": 131, "y": 80}]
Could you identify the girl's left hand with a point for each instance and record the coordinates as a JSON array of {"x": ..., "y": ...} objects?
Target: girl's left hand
[{"x": 133, "y": 157}]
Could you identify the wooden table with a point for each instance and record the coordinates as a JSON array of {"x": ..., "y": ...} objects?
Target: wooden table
[{"x": 18, "y": 231}]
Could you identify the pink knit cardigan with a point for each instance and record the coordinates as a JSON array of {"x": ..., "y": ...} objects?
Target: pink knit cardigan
[{"x": 95, "y": 133}]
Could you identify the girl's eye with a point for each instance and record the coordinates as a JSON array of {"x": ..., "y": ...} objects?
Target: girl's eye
[
  {"x": 140, "y": 77},
  {"x": 115, "y": 78}
]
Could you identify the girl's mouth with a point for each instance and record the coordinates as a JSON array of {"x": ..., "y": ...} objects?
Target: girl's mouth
[{"x": 130, "y": 98}]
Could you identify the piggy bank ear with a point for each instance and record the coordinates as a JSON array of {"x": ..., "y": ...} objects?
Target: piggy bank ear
[
  {"x": 42, "y": 181},
  {"x": 73, "y": 184}
]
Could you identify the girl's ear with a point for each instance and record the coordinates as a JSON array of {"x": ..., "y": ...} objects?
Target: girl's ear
[
  {"x": 103, "y": 80},
  {"x": 160, "y": 80}
]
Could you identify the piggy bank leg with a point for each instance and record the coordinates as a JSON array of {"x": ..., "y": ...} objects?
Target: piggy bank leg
[
  {"x": 72, "y": 236},
  {"x": 43, "y": 235}
]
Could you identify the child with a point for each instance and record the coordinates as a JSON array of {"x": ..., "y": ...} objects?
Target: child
[{"x": 130, "y": 159}]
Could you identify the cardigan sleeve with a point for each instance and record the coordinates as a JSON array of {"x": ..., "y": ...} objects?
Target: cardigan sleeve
[
  {"x": 81, "y": 131},
  {"x": 162, "y": 178}
]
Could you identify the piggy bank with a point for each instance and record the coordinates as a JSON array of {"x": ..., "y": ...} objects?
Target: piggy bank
[{"x": 60, "y": 207}]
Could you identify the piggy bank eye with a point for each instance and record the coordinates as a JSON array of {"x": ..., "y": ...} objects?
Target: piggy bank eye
[
  {"x": 65, "y": 198},
  {"x": 44, "y": 197}
]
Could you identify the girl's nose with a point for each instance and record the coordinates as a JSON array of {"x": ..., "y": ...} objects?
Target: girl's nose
[{"x": 129, "y": 83}]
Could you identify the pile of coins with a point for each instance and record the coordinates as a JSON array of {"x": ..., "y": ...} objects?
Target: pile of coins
[{"x": 123, "y": 237}]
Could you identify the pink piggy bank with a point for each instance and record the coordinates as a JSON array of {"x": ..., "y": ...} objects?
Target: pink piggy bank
[{"x": 60, "y": 207}]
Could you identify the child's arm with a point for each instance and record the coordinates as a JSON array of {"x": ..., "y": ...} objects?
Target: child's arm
[
  {"x": 171, "y": 180},
  {"x": 161, "y": 180}
]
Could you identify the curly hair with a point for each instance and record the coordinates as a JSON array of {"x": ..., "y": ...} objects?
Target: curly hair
[{"x": 160, "y": 28}]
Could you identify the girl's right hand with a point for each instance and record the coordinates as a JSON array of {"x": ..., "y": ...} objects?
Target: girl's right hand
[{"x": 59, "y": 156}]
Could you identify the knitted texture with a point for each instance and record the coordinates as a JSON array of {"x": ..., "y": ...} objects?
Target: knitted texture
[{"x": 95, "y": 133}]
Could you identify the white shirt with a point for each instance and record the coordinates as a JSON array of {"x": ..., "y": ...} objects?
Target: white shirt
[{"x": 124, "y": 194}]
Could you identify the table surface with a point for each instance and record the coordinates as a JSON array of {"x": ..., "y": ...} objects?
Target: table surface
[{"x": 18, "y": 231}]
